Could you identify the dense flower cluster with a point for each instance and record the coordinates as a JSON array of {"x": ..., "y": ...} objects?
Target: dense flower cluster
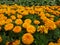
[
  {"x": 52, "y": 43},
  {"x": 11, "y": 20}
]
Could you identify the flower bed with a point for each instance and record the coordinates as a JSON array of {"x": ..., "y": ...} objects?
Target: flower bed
[{"x": 35, "y": 25}]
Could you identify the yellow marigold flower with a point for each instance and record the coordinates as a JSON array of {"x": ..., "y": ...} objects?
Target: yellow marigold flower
[
  {"x": 50, "y": 24},
  {"x": 8, "y": 12},
  {"x": 4, "y": 17},
  {"x": 17, "y": 29},
  {"x": 57, "y": 43},
  {"x": 31, "y": 11},
  {"x": 47, "y": 14},
  {"x": 19, "y": 16},
  {"x": 1, "y": 11},
  {"x": 2, "y": 22},
  {"x": 13, "y": 17},
  {"x": 58, "y": 23},
  {"x": 8, "y": 26},
  {"x": 36, "y": 22},
  {"x": 31, "y": 29},
  {"x": 24, "y": 12},
  {"x": 1, "y": 15},
  {"x": 58, "y": 9},
  {"x": 42, "y": 29},
  {"x": 43, "y": 17},
  {"x": 27, "y": 38},
  {"x": 38, "y": 9},
  {"x": 18, "y": 21},
  {"x": 1, "y": 39},
  {"x": 25, "y": 25},
  {"x": 51, "y": 43},
  {"x": 16, "y": 42},
  {"x": 8, "y": 21},
  {"x": 27, "y": 21},
  {"x": 13, "y": 11},
  {"x": 27, "y": 8}
]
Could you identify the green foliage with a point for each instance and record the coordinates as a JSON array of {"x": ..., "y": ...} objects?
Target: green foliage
[
  {"x": 40, "y": 38},
  {"x": 31, "y": 2}
]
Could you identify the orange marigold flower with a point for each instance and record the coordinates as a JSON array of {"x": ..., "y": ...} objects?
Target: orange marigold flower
[
  {"x": 27, "y": 21},
  {"x": 38, "y": 9},
  {"x": 50, "y": 24},
  {"x": 25, "y": 25},
  {"x": 4, "y": 17},
  {"x": 8, "y": 26},
  {"x": 2, "y": 22},
  {"x": 8, "y": 12},
  {"x": 1, "y": 39},
  {"x": 17, "y": 29},
  {"x": 16, "y": 42},
  {"x": 57, "y": 43},
  {"x": 19, "y": 16},
  {"x": 13, "y": 17},
  {"x": 47, "y": 14},
  {"x": 31, "y": 11},
  {"x": 13, "y": 11},
  {"x": 58, "y": 23},
  {"x": 27, "y": 38},
  {"x": 8, "y": 21},
  {"x": 51, "y": 43},
  {"x": 36, "y": 22},
  {"x": 24, "y": 13},
  {"x": 31, "y": 29},
  {"x": 1, "y": 15},
  {"x": 42, "y": 29},
  {"x": 18, "y": 21}
]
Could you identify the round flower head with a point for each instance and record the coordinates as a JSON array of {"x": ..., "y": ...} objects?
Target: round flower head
[
  {"x": 51, "y": 43},
  {"x": 57, "y": 23},
  {"x": 36, "y": 22},
  {"x": 13, "y": 11},
  {"x": 13, "y": 17},
  {"x": 17, "y": 29},
  {"x": 27, "y": 38},
  {"x": 19, "y": 16},
  {"x": 18, "y": 21},
  {"x": 25, "y": 25},
  {"x": 2, "y": 22},
  {"x": 28, "y": 21},
  {"x": 8, "y": 21},
  {"x": 8, "y": 26},
  {"x": 31, "y": 29},
  {"x": 24, "y": 13},
  {"x": 16, "y": 42}
]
